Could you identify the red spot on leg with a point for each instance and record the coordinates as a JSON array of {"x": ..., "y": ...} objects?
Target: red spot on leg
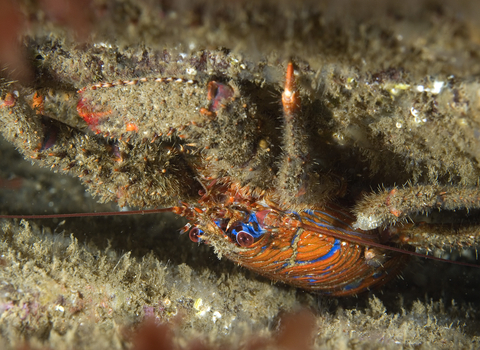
[
  {"x": 394, "y": 211},
  {"x": 9, "y": 100},
  {"x": 38, "y": 103},
  {"x": 132, "y": 127},
  {"x": 207, "y": 113},
  {"x": 91, "y": 116}
]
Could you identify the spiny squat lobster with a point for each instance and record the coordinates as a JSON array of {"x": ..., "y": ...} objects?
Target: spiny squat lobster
[{"x": 311, "y": 249}]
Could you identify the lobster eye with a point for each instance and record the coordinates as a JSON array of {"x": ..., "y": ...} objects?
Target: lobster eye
[
  {"x": 245, "y": 239},
  {"x": 195, "y": 234}
]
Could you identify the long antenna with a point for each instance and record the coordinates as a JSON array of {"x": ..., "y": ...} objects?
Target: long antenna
[{"x": 78, "y": 215}]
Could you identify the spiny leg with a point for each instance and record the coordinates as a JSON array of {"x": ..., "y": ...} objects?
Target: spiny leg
[
  {"x": 299, "y": 184},
  {"x": 393, "y": 205},
  {"x": 292, "y": 172},
  {"x": 390, "y": 206}
]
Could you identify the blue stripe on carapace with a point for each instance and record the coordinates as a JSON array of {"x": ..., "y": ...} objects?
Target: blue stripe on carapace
[
  {"x": 328, "y": 268},
  {"x": 335, "y": 248},
  {"x": 314, "y": 214},
  {"x": 339, "y": 229},
  {"x": 335, "y": 217},
  {"x": 353, "y": 285},
  {"x": 251, "y": 226}
]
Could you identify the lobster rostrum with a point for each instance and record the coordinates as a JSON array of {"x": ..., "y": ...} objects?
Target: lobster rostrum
[{"x": 272, "y": 216}]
